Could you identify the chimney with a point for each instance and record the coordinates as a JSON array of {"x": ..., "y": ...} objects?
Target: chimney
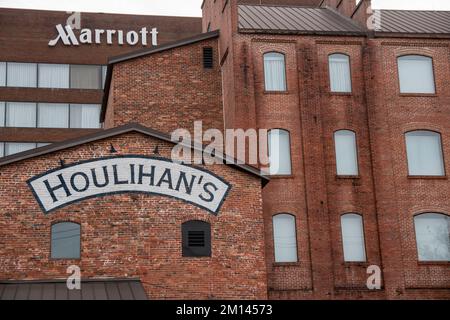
[{"x": 357, "y": 10}]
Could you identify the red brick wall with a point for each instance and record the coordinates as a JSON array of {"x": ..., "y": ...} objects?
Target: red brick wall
[
  {"x": 382, "y": 194},
  {"x": 168, "y": 90},
  {"x": 135, "y": 235}
]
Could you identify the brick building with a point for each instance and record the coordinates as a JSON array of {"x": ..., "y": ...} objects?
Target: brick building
[{"x": 361, "y": 116}]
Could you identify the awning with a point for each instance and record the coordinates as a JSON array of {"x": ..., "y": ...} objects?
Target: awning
[{"x": 93, "y": 289}]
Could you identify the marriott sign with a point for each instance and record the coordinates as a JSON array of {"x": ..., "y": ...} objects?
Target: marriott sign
[{"x": 97, "y": 36}]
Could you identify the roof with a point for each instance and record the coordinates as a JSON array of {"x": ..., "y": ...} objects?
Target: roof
[
  {"x": 413, "y": 22},
  {"x": 295, "y": 19},
  {"x": 145, "y": 52},
  {"x": 131, "y": 127},
  {"x": 101, "y": 289}
]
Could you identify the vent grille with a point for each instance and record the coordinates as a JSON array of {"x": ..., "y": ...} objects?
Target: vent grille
[
  {"x": 208, "y": 61},
  {"x": 196, "y": 238}
]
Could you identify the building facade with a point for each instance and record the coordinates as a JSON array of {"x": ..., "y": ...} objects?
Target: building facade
[{"x": 356, "y": 103}]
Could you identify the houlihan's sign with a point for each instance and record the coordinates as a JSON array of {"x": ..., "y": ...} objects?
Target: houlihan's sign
[{"x": 121, "y": 174}]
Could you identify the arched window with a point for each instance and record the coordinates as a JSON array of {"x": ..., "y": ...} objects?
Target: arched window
[
  {"x": 279, "y": 152},
  {"x": 65, "y": 240},
  {"x": 196, "y": 238},
  {"x": 346, "y": 153},
  {"x": 433, "y": 236},
  {"x": 424, "y": 152},
  {"x": 274, "y": 72},
  {"x": 353, "y": 237},
  {"x": 340, "y": 76},
  {"x": 416, "y": 74},
  {"x": 285, "y": 238}
]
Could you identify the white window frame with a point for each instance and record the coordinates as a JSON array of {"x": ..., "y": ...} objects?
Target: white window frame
[
  {"x": 343, "y": 169},
  {"x": 421, "y": 236},
  {"x": 405, "y": 78},
  {"x": 345, "y": 84},
  {"x": 279, "y": 171},
  {"x": 279, "y": 254},
  {"x": 271, "y": 86},
  {"x": 346, "y": 245},
  {"x": 411, "y": 157}
]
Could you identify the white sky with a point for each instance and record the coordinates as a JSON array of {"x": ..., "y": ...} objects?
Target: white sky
[{"x": 183, "y": 7}]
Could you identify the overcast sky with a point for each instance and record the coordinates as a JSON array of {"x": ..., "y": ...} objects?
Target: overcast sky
[{"x": 182, "y": 7}]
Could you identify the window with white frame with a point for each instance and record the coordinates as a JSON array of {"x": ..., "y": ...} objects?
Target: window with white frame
[
  {"x": 279, "y": 152},
  {"x": 21, "y": 74},
  {"x": 2, "y": 113},
  {"x": 53, "y": 75},
  {"x": 274, "y": 72},
  {"x": 416, "y": 74},
  {"x": 424, "y": 152},
  {"x": 340, "y": 75},
  {"x": 432, "y": 236},
  {"x": 353, "y": 237},
  {"x": 346, "y": 153},
  {"x": 285, "y": 238}
]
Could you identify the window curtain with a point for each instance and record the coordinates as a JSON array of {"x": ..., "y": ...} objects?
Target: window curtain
[
  {"x": 433, "y": 237},
  {"x": 85, "y": 116},
  {"x": 65, "y": 240},
  {"x": 16, "y": 147},
  {"x": 22, "y": 74},
  {"x": 21, "y": 114},
  {"x": 346, "y": 153},
  {"x": 53, "y": 115},
  {"x": 53, "y": 75},
  {"x": 2, "y": 74},
  {"x": 353, "y": 238},
  {"x": 424, "y": 151},
  {"x": 285, "y": 240},
  {"x": 279, "y": 152},
  {"x": 85, "y": 77},
  {"x": 274, "y": 72},
  {"x": 2, "y": 113},
  {"x": 340, "y": 78},
  {"x": 416, "y": 74}
]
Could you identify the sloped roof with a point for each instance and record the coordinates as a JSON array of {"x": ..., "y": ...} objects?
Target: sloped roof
[
  {"x": 131, "y": 127},
  {"x": 413, "y": 22},
  {"x": 294, "y": 19},
  {"x": 102, "y": 289}
]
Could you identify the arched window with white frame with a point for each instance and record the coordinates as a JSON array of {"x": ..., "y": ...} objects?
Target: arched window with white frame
[
  {"x": 352, "y": 228},
  {"x": 424, "y": 153},
  {"x": 279, "y": 145},
  {"x": 432, "y": 236},
  {"x": 346, "y": 153},
  {"x": 416, "y": 74},
  {"x": 285, "y": 238},
  {"x": 340, "y": 73},
  {"x": 274, "y": 71}
]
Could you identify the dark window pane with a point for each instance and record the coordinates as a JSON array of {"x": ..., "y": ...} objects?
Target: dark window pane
[
  {"x": 196, "y": 237},
  {"x": 66, "y": 240},
  {"x": 85, "y": 77}
]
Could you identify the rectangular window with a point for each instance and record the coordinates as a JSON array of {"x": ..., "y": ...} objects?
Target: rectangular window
[
  {"x": 274, "y": 72},
  {"x": 86, "y": 116},
  {"x": 2, "y": 149},
  {"x": 21, "y": 114},
  {"x": 104, "y": 71},
  {"x": 2, "y": 74},
  {"x": 16, "y": 147},
  {"x": 340, "y": 78},
  {"x": 21, "y": 74},
  {"x": 85, "y": 77},
  {"x": 353, "y": 238},
  {"x": 53, "y": 115},
  {"x": 2, "y": 113},
  {"x": 416, "y": 74},
  {"x": 53, "y": 75},
  {"x": 279, "y": 152},
  {"x": 424, "y": 152}
]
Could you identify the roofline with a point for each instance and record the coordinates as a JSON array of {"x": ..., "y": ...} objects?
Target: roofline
[
  {"x": 143, "y": 52},
  {"x": 387, "y": 34},
  {"x": 63, "y": 280},
  {"x": 304, "y": 32},
  {"x": 131, "y": 127}
]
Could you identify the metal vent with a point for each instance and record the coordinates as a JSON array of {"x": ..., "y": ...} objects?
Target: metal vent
[
  {"x": 196, "y": 238},
  {"x": 208, "y": 60}
]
